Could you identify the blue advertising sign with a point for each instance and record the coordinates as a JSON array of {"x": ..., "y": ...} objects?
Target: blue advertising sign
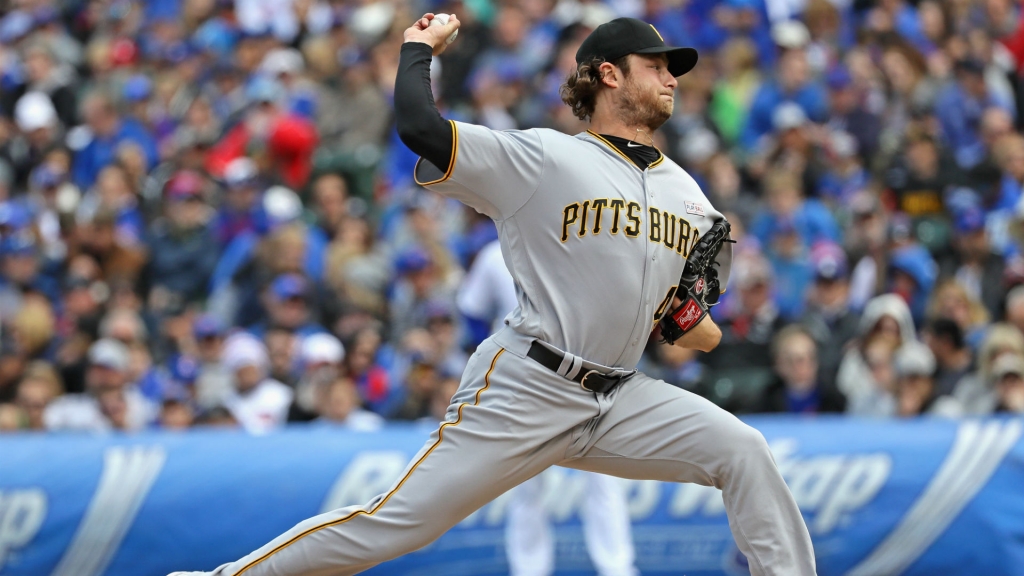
[{"x": 916, "y": 497}]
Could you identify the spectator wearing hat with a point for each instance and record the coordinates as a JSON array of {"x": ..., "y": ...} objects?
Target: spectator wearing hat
[
  {"x": 446, "y": 333},
  {"x": 287, "y": 305},
  {"x": 136, "y": 93},
  {"x": 916, "y": 393},
  {"x": 911, "y": 275},
  {"x": 108, "y": 130},
  {"x": 1008, "y": 377},
  {"x": 181, "y": 254},
  {"x": 38, "y": 132},
  {"x": 973, "y": 262},
  {"x": 257, "y": 402},
  {"x": 829, "y": 318},
  {"x": 338, "y": 406},
  {"x": 213, "y": 382},
  {"x": 418, "y": 284},
  {"x": 954, "y": 358},
  {"x": 111, "y": 401},
  {"x": 320, "y": 357},
  {"x": 849, "y": 115},
  {"x": 23, "y": 272},
  {"x": 959, "y": 108},
  {"x": 241, "y": 210},
  {"x": 796, "y": 388}
]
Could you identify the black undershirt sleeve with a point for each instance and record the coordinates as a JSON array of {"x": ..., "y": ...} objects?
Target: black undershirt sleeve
[{"x": 419, "y": 124}]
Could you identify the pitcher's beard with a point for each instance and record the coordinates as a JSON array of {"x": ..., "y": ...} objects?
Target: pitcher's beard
[{"x": 642, "y": 107}]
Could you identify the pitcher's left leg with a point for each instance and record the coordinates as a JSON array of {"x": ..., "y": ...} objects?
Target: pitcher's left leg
[
  {"x": 655, "y": 431},
  {"x": 529, "y": 543},
  {"x": 606, "y": 526}
]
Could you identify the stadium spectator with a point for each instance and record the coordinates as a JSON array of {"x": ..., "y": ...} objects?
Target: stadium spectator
[
  {"x": 976, "y": 392},
  {"x": 40, "y": 386},
  {"x": 1008, "y": 373},
  {"x": 829, "y": 317},
  {"x": 951, "y": 300},
  {"x": 885, "y": 325},
  {"x": 973, "y": 263},
  {"x": 181, "y": 257},
  {"x": 339, "y": 406},
  {"x": 257, "y": 402},
  {"x": 107, "y": 131},
  {"x": 111, "y": 401},
  {"x": 320, "y": 356},
  {"x": 796, "y": 389},
  {"x": 750, "y": 319},
  {"x": 214, "y": 382},
  {"x": 953, "y": 356},
  {"x": 916, "y": 391}
]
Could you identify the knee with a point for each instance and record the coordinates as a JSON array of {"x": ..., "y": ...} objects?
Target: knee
[{"x": 744, "y": 446}]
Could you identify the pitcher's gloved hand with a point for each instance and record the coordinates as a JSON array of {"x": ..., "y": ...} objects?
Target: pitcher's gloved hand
[{"x": 699, "y": 288}]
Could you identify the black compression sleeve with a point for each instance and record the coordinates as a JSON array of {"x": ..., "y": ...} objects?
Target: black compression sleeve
[{"x": 419, "y": 123}]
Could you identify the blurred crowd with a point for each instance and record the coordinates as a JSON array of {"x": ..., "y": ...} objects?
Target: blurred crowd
[{"x": 206, "y": 217}]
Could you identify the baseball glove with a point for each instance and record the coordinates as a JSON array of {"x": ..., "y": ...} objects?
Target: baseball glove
[{"x": 699, "y": 288}]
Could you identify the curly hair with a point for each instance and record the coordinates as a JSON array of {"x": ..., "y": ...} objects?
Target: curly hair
[{"x": 582, "y": 85}]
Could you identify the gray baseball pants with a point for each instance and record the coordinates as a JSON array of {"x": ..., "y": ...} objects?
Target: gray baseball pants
[{"x": 512, "y": 418}]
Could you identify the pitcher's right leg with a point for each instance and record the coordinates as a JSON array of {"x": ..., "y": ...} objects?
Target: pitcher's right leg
[{"x": 494, "y": 437}]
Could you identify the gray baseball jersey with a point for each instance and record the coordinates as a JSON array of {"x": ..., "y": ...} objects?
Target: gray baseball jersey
[{"x": 595, "y": 244}]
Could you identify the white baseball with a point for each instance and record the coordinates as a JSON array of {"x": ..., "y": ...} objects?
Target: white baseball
[{"x": 441, "y": 20}]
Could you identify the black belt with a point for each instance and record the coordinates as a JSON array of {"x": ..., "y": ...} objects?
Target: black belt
[{"x": 591, "y": 380}]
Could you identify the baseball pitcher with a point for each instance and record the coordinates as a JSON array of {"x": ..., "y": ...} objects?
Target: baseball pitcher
[{"x": 607, "y": 241}]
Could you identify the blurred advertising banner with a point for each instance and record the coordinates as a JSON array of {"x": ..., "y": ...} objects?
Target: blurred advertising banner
[{"x": 880, "y": 498}]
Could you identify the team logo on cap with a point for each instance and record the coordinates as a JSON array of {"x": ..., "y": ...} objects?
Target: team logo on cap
[{"x": 694, "y": 208}]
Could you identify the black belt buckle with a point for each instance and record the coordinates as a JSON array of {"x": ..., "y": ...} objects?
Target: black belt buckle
[
  {"x": 591, "y": 380},
  {"x": 601, "y": 382}
]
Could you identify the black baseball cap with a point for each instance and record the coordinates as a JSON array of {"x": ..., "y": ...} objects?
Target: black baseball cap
[{"x": 622, "y": 36}]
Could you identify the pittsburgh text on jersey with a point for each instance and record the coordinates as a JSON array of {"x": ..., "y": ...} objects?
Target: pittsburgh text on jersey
[{"x": 593, "y": 217}]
